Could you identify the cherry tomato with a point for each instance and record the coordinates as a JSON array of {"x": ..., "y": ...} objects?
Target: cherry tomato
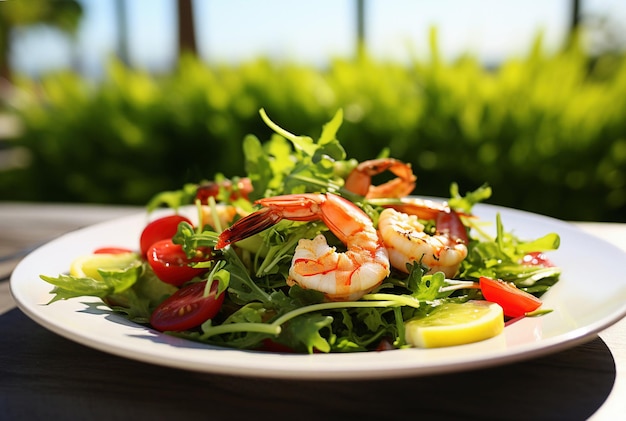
[
  {"x": 112, "y": 250},
  {"x": 187, "y": 308},
  {"x": 207, "y": 190},
  {"x": 171, "y": 264},
  {"x": 269, "y": 345},
  {"x": 160, "y": 229},
  {"x": 385, "y": 345},
  {"x": 537, "y": 258},
  {"x": 211, "y": 189},
  {"x": 514, "y": 301}
]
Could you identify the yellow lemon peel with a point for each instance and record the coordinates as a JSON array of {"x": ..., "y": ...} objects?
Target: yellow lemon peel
[{"x": 87, "y": 266}]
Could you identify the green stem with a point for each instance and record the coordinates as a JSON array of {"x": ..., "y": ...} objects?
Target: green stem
[
  {"x": 399, "y": 300},
  {"x": 399, "y": 326},
  {"x": 286, "y": 134},
  {"x": 275, "y": 255},
  {"x": 454, "y": 285},
  {"x": 274, "y": 328},
  {"x": 329, "y": 306},
  {"x": 216, "y": 219},
  {"x": 269, "y": 329}
]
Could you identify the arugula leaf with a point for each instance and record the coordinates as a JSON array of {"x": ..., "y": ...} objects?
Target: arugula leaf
[
  {"x": 259, "y": 165},
  {"x": 304, "y": 331},
  {"x": 149, "y": 286},
  {"x": 465, "y": 203},
  {"x": 67, "y": 286},
  {"x": 173, "y": 198},
  {"x": 113, "y": 281},
  {"x": 288, "y": 163},
  {"x": 134, "y": 291},
  {"x": 425, "y": 287},
  {"x": 548, "y": 242},
  {"x": 500, "y": 258}
]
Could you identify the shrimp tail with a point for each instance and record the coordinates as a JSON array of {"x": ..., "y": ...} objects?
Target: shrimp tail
[
  {"x": 247, "y": 226},
  {"x": 359, "y": 181},
  {"x": 449, "y": 223}
]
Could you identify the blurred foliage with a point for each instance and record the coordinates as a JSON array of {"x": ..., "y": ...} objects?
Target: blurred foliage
[{"x": 546, "y": 131}]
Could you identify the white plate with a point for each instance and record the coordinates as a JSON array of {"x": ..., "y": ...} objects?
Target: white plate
[{"x": 590, "y": 296}]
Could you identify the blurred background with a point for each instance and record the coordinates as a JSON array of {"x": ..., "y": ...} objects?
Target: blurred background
[{"x": 112, "y": 101}]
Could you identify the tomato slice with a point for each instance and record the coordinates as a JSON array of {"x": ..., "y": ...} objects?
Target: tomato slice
[
  {"x": 187, "y": 308},
  {"x": 171, "y": 264},
  {"x": 536, "y": 258},
  {"x": 514, "y": 301},
  {"x": 159, "y": 229},
  {"x": 112, "y": 250}
]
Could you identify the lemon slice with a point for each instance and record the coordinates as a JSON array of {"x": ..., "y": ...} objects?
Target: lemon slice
[
  {"x": 456, "y": 324},
  {"x": 87, "y": 266}
]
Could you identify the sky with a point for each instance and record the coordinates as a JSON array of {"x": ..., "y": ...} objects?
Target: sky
[{"x": 304, "y": 31}]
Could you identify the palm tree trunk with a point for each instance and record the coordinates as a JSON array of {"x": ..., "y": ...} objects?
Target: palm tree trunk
[
  {"x": 5, "y": 46},
  {"x": 186, "y": 28}
]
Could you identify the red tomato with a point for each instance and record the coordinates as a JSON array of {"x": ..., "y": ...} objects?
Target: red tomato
[
  {"x": 269, "y": 345},
  {"x": 160, "y": 229},
  {"x": 171, "y": 264},
  {"x": 211, "y": 189},
  {"x": 536, "y": 258},
  {"x": 385, "y": 345},
  {"x": 187, "y": 308},
  {"x": 112, "y": 250},
  {"x": 514, "y": 301},
  {"x": 207, "y": 190}
]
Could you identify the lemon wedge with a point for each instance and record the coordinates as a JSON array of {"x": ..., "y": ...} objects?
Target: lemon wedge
[
  {"x": 456, "y": 324},
  {"x": 87, "y": 266}
]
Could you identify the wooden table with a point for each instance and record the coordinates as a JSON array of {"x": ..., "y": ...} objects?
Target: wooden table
[{"x": 43, "y": 375}]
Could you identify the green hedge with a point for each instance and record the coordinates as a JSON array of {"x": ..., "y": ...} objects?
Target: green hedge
[{"x": 546, "y": 131}]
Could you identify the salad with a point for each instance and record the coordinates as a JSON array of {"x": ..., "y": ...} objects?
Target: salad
[{"x": 306, "y": 253}]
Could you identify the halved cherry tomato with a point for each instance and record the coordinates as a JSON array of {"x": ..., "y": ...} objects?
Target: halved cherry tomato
[
  {"x": 112, "y": 250},
  {"x": 514, "y": 301},
  {"x": 187, "y": 308},
  {"x": 171, "y": 264},
  {"x": 160, "y": 229},
  {"x": 536, "y": 258}
]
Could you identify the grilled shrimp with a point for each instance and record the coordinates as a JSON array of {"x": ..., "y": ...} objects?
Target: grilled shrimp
[
  {"x": 341, "y": 276},
  {"x": 359, "y": 181},
  {"x": 406, "y": 241}
]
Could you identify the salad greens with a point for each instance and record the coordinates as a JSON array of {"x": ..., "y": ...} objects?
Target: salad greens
[{"x": 260, "y": 308}]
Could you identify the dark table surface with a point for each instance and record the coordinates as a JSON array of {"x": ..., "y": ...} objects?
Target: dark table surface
[{"x": 45, "y": 376}]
